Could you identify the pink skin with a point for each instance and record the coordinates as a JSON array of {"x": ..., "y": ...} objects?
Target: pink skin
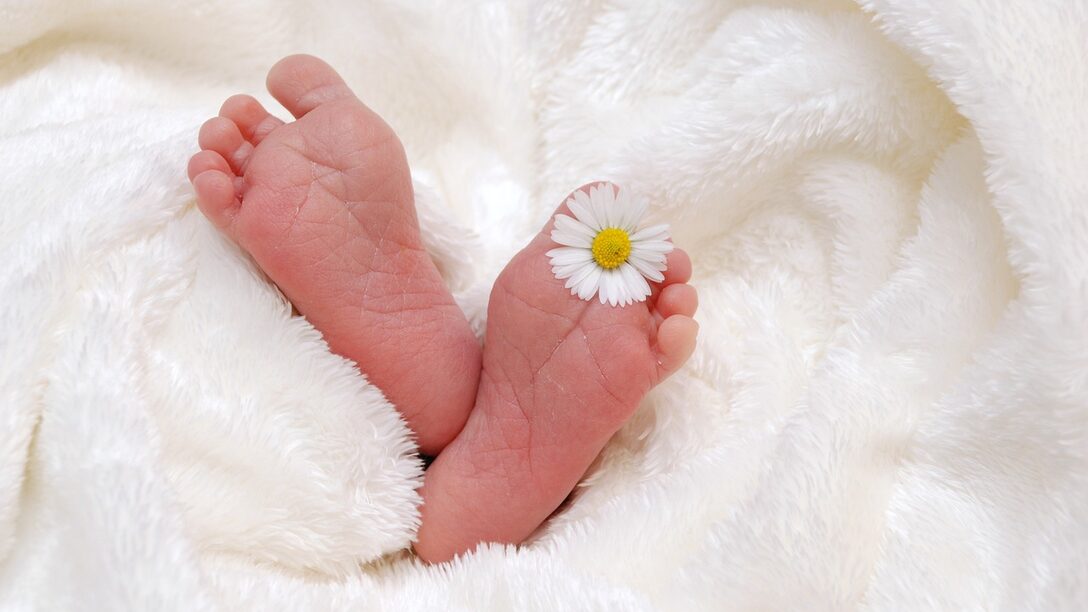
[
  {"x": 325, "y": 206},
  {"x": 560, "y": 377}
]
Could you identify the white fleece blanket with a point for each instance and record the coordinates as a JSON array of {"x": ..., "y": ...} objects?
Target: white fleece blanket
[{"x": 887, "y": 207}]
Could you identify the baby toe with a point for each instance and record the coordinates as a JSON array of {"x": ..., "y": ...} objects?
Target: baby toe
[
  {"x": 679, "y": 267},
  {"x": 216, "y": 195},
  {"x": 677, "y": 299},
  {"x": 222, "y": 135},
  {"x": 207, "y": 160},
  {"x": 251, "y": 118},
  {"x": 301, "y": 83},
  {"x": 675, "y": 342}
]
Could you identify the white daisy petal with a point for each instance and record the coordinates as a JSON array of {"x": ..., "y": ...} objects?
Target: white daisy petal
[
  {"x": 591, "y": 206},
  {"x": 655, "y": 261},
  {"x": 629, "y": 292},
  {"x": 573, "y": 240},
  {"x": 650, "y": 257},
  {"x": 591, "y": 284},
  {"x": 640, "y": 288},
  {"x": 619, "y": 289},
  {"x": 602, "y": 207},
  {"x": 646, "y": 269},
  {"x": 582, "y": 207},
  {"x": 575, "y": 281},
  {"x": 624, "y": 289},
  {"x": 612, "y": 280},
  {"x": 567, "y": 270},
  {"x": 653, "y": 246},
  {"x": 604, "y": 287},
  {"x": 569, "y": 255},
  {"x": 654, "y": 232},
  {"x": 636, "y": 208},
  {"x": 625, "y": 216},
  {"x": 570, "y": 225},
  {"x": 615, "y": 207},
  {"x": 601, "y": 202}
]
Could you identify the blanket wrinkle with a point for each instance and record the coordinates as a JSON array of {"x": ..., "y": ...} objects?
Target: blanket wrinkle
[{"x": 884, "y": 201}]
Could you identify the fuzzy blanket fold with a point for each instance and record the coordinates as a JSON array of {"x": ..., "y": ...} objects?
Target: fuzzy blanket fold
[{"x": 886, "y": 204}]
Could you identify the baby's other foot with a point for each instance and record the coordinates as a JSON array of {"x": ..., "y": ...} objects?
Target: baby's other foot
[
  {"x": 324, "y": 205},
  {"x": 560, "y": 377}
]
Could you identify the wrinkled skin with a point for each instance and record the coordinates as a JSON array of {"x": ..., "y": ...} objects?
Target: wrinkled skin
[
  {"x": 561, "y": 376},
  {"x": 325, "y": 207}
]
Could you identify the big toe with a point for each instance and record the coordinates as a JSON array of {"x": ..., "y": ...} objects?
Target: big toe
[{"x": 301, "y": 83}]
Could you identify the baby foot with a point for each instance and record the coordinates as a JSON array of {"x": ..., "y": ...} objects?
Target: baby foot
[
  {"x": 560, "y": 377},
  {"x": 325, "y": 206}
]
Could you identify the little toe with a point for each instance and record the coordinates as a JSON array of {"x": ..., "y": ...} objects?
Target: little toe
[
  {"x": 221, "y": 135},
  {"x": 253, "y": 121},
  {"x": 203, "y": 161},
  {"x": 677, "y": 299},
  {"x": 679, "y": 267},
  {"x": 677, "y": 271},
  {"x": 216, "y": 195},
  {"x": 301, "y": 83},
  {"x": 675, "y": 342}
]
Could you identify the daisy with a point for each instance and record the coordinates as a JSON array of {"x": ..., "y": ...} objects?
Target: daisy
[{"x": 604, "y": 251}]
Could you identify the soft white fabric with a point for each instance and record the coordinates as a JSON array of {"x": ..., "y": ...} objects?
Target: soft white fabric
[{"x": 887, "y": 207}]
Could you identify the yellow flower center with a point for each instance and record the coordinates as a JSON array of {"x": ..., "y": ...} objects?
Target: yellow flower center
[{"x": 611, "y": 247}]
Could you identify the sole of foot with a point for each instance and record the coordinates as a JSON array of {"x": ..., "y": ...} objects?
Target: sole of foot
[
  {"x": 324, "y": 205},
  {"x": 560, "y": 376}
]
